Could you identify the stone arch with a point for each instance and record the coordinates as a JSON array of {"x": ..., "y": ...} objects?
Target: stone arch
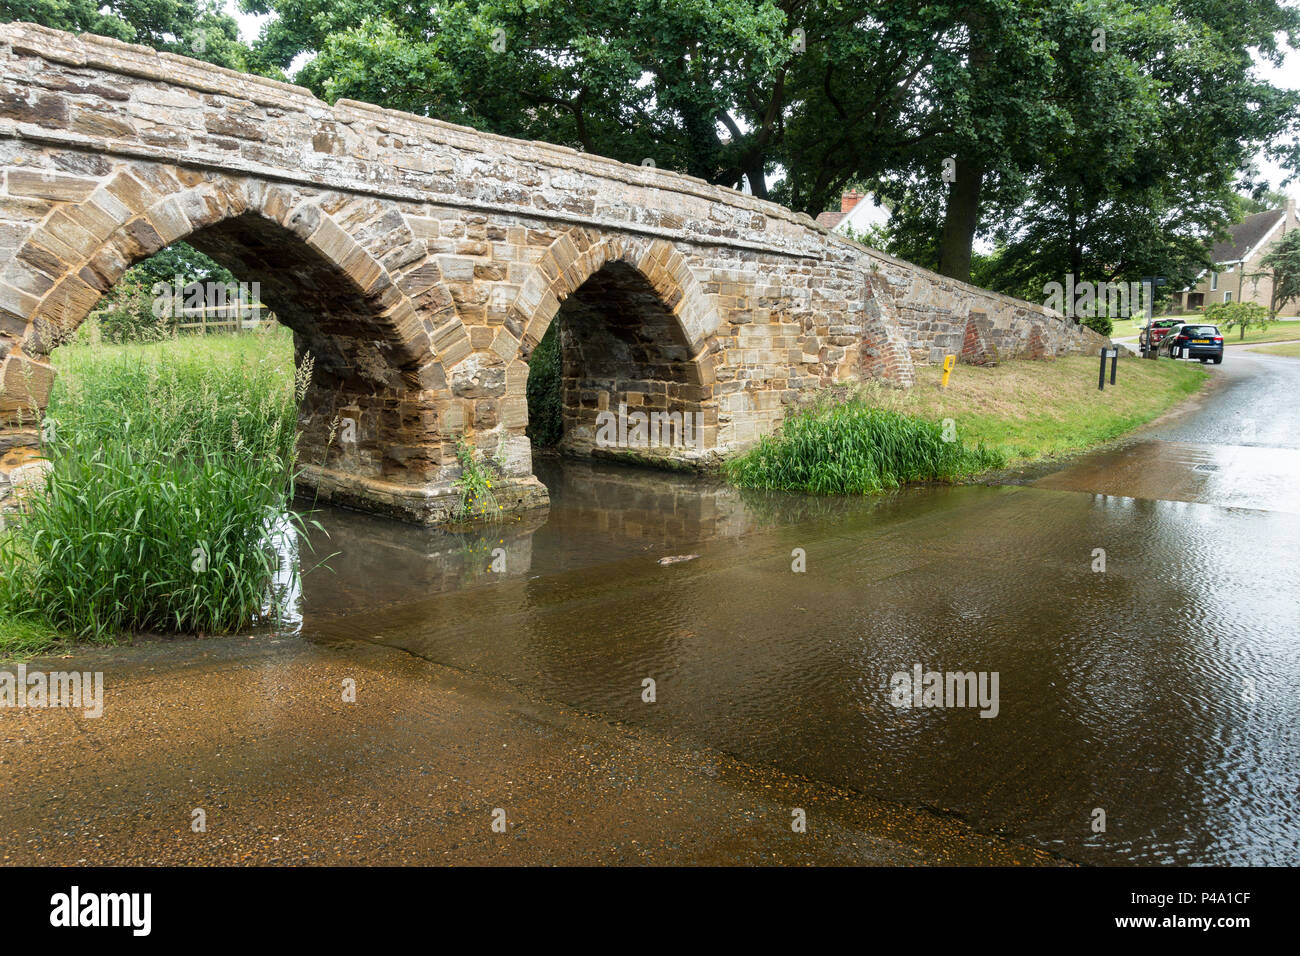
[
  {"x": 372, "y": 355},
  {"x": 575, "y": 257},
  {"x": 579, "y": 263}
]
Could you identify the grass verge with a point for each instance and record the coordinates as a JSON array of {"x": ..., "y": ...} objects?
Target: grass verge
[
  {"x": 1291, "y": 349},
  {"x": 1279, "y": 330},
  {"x": 1034, "y": 410},
  {"x": 1008, "y": 415}
]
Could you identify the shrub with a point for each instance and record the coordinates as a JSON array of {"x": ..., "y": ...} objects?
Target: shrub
[
  {"x": 1100, "y": 323},
  {"x": 853, "y": 448},
  {"x": 127, "y": 315},
  {"x": 475, "y": 485},
  {"x": 545, "y": 407}
]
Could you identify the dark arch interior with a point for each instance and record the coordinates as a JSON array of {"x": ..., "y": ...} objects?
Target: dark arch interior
[
  {"x": 354, "y": 373},
  {"x": 307, "y": 293},
  {"x": 614, "y": 341}
]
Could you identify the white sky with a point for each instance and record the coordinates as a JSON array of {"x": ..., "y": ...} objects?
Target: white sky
[{"x": 1286, "y": 77}]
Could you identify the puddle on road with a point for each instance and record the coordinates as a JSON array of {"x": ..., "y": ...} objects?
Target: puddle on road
[
  {"x": 1161, "y": 691},
  {"x": 1234, "y": 476}
]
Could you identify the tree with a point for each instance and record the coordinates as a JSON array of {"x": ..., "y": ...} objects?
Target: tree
[
  {"x": 692, "y": 85},
  {"x": 1283, "y": 267},
  {"x": 195, "y": 28},
  {"x": 1099, "y": 137},
  {"x": 1114, "y": 157},
  {"x": 1237, "y": 315}
]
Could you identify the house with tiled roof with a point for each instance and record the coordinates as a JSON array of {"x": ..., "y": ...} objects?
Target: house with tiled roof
[
  {"x": 858, "y": 212},
  {"x": 1234, "y": 277}
]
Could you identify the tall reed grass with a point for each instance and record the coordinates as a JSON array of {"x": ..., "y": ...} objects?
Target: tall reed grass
[
  {"x": 852, "y": 448},
  {"x": 171, "y": 464}
]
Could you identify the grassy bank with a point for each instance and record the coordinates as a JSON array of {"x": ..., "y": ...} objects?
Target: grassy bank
[
  {"x": 1291, "y": 350},
  {"x": 170, "y": 462},
  {"x": 1278, "y": 331},
  {"x": 846, "y": 447},
  {"x": 875, "y": 438},
  {"x": 1034, "y": 410}
]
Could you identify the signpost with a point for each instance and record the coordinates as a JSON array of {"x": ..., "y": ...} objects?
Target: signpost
[
  {"x": 949, "y": 361},
  {"x": 1149, "y": 284},
  {"x": 1113, "y": 355}
]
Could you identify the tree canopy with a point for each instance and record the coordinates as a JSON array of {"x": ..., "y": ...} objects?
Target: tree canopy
[
  {"x": 1104, "y": 138},
  {"x": 201, "y": 29}
]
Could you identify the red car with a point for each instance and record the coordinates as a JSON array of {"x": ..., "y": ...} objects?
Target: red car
[{"x": 1159, "y": 329}]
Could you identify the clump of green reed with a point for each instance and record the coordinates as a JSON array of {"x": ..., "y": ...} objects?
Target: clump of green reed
[
  {"x": 169, "y": 472},
  {"x": 854, "y": 448}
]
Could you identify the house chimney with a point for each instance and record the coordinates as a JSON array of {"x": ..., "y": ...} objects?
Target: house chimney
[{"x": 849, "y": 200}]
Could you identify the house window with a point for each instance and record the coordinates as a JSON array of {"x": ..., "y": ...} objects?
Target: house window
[
  {"x": 1227, "y": 296},
  {"x": 1214, "y": 281}
]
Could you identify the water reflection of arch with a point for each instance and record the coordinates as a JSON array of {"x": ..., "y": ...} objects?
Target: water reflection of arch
[{"x": 375, "y": 562}]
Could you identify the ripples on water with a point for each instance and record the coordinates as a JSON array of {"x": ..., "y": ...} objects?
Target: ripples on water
[{"x": 1161, "y": 691}]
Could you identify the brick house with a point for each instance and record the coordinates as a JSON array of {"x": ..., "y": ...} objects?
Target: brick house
[{"x": 1236, "y": 260}]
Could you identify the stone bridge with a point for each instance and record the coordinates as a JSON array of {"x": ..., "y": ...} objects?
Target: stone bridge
[{"x": 420, "y": 263}]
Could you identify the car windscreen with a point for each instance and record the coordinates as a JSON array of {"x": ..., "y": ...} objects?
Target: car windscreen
[{"x": 1200, "y": 331}]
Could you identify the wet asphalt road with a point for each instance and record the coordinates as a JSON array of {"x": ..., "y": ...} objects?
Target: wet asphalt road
[
  {"x": 1235, "y": 445},
  {"x": 523, "y": 691}
]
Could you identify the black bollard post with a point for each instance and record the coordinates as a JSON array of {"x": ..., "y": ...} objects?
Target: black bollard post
[
  {"x": 1101, "y": 375},
  {"x": 1114, "y": 361}
]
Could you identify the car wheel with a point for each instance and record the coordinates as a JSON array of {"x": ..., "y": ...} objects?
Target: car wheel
[
  {"x": 1218, "y": 360},
  {"x": 1203, "y": 361}
]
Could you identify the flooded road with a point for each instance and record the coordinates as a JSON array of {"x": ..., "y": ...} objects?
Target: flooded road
[
  {"x": 1158, "y": 690},
  {"x": 1138, "y": 610}
]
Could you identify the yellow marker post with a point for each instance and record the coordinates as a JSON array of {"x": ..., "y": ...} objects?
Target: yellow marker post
[{"x": 948, "y": 362}]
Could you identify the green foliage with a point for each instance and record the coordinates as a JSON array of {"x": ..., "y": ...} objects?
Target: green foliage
[
  {"x": 126, "y": 314},
  {"x": 1237, "y": 315},
  {"x": 201, "y": 29},
  {"x": 1091, "y": 161},
  {"x": 475, "y": 486},
  {"x": 1283, "y": 265},
  {"x": 545, "y": 407},
  {"x": 568, "y": 73},
  {"x": 179, "y": 259},
  {"x": 25, "y": 635},
  {"x": 170, "y": 481},
  {"x": 854, "y": 448},
  {"x": 1248, "y": 205},
  {"x": 1099, "y": 323}
]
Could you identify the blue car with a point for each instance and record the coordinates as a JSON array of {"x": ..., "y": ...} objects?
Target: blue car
[{"x": 1204, "y": 342}]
